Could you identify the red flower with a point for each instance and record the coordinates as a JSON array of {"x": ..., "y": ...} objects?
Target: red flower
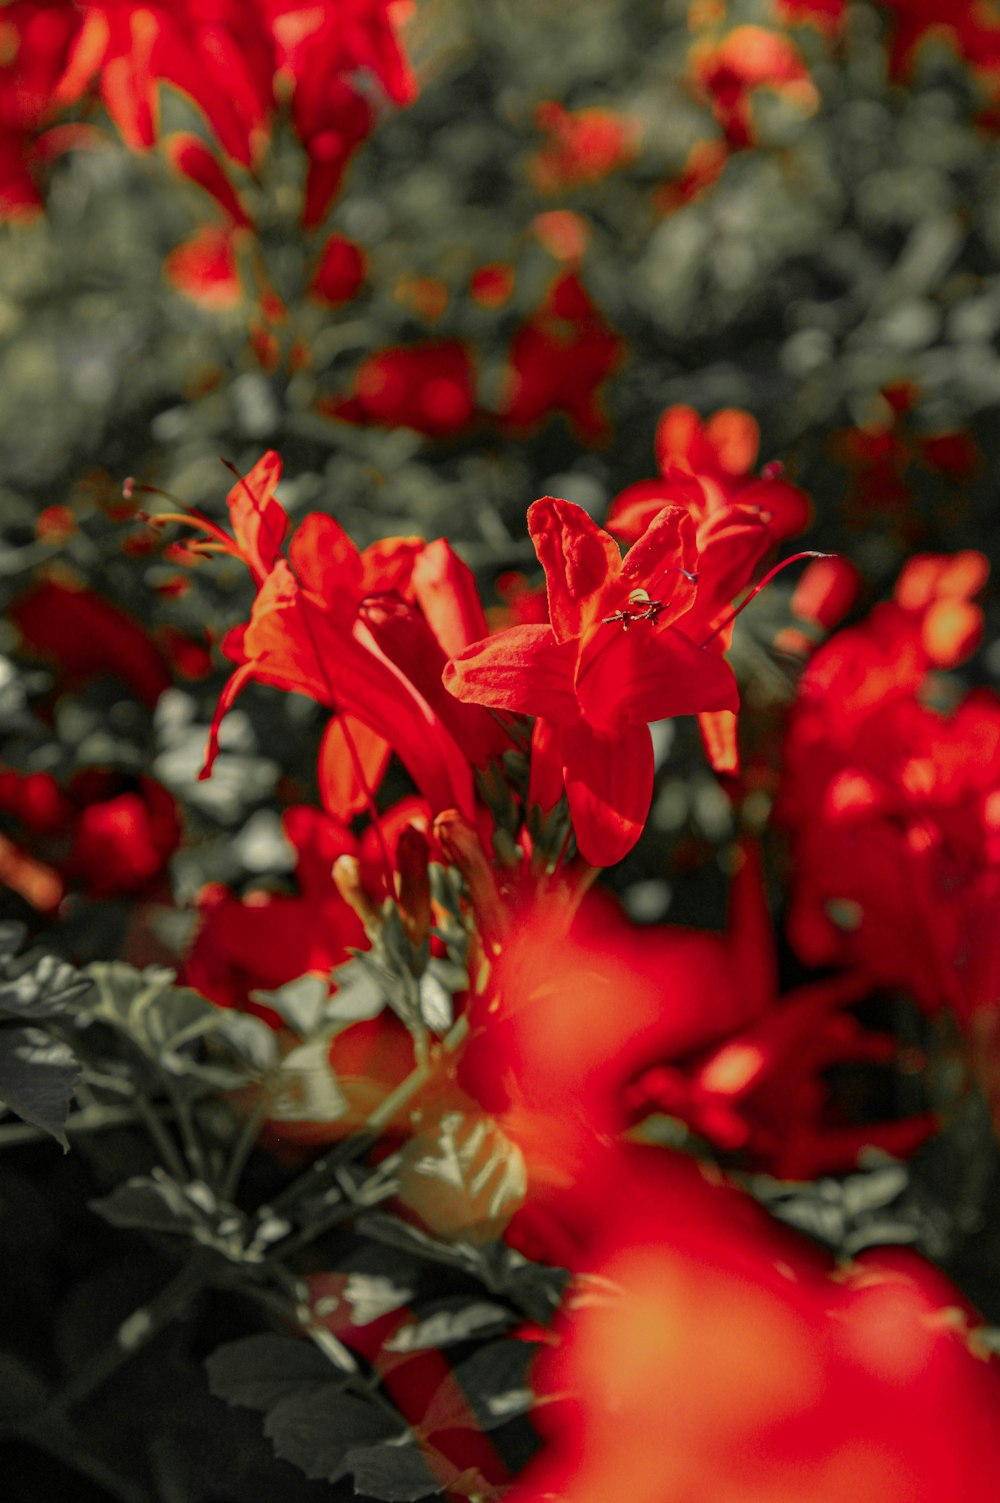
[
  {"x": 429, "y": 387},
  {"x": 893, "y": 804},
  {"x": 595, "y": 679},
  {"x": 341, "y": 271},
  {"x": 559, "y": 360},
  {"x": 584, "y": 146},
  {"x": 120, "y": 843},
  {"x": 265, "y": 939},
  {"x": 706, "y": 467},
  {"x": 326, "y": 623},
  {"x": 205, "y": 268},
  {"x": 873, "y": 1386},
  {"x": 89, "y": 637},
  {"x": 749, "y": 58}
]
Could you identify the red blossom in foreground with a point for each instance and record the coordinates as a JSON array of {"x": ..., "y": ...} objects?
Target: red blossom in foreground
[
  {"x": 597, "y": 682},
  {"x": 365, "y": 633},
  {"x": 581, "y": 1034},
  {"x": 717, "y": 1356}
]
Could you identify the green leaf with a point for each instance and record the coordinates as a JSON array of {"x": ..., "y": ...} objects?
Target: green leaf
[
  {"x": 398, "y": 1473},
  {"x": 395, "y": 1233},
  {"x": 259, "y": 1371},
  {"x": 44, "y": 990},
  {"x": 315, "y": 1431},
  {"x": 463, "y": 1176},
  {"x": 305, "y": 1088},
  {"x": 301, "y": 1003},
  {"x": 488, "y": 1389},
  {"x": 449, "y": 1321},
  {"x": 158, "y": 1203},
  {"x": 249, "y": 1038},
  {"x": 158, "y": 1016},
  {"x": 359, "y": 995},
  {"x": 37, "y": 1077}
]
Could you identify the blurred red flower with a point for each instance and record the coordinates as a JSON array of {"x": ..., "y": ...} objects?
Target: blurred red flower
[
  {"x": 584, "y": 146},
  {"x": 559, "y": 361},
  {"x": 429, "y": 387},
  {"x": 710, "y": 1354}
]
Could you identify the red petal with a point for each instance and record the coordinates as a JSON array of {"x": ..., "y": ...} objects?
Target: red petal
[
  {"x": 650, "y": 673},
  {"x": 523, "y": 669},
  {"x": 665, "y": 548},
  {"x": 580, "y": 560},
  {"x": 446, "y": 592},
  {"x": 348, "y": 743},
  {"x": 258, "y": 517},
  {"x": 327, "y": 563},
  {"x": 609, "y": 784},
  {"x": 195, "y": 161}
]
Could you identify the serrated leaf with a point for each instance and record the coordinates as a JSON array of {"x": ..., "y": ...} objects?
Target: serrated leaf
[
  {"x": 44, "y": 990},
  {"x": 301, "y": 1003},
  {"x": 398, "y": 1473},
  {"x": 453, "y": 1320},
  {"x": 38, "y": 1075},
  {"x": 250, "y": 1038},
  {"x": 156, "y": 1202},
  {"x": 259, "y": 1371},
  {"x": 463, "y": 1176},
  {"x": 146, "y": 1005},
  {"x": 369, "y": 1296},
  {"x": 359, "y": 996},
  {"x": 315, "y": 1431},
  {"x": 306, "y": 1088},
  {"x": 485, "y": 1391}
]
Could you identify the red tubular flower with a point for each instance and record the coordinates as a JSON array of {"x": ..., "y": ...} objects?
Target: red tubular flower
[
  {"x": 265, "y": 939},
  {"x": 559, "y": 361},
  {"x": 205, "y": 268},
  {"x": 339, "y": 274},
  {"x": 593, "y": 677},
  {"x": 88, "y": 637},
  {"x": 307, "y": 633},
  {"x": 893, "y": 805},
  {"x": 429, "y": 387}
]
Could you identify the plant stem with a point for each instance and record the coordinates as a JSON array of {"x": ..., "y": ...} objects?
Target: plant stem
[
  {"x": 243, "y": 1147},
  {"x": 136, "y": 1331}
]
